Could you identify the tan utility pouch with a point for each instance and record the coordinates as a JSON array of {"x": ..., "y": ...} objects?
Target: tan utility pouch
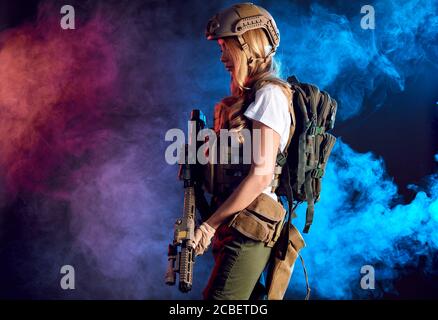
[
  {"x": 261, "y": 220},
  {"x": 280, "y": 271}
]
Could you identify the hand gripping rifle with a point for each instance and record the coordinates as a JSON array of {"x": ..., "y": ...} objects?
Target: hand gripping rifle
[{"x": 182, "y": 261}]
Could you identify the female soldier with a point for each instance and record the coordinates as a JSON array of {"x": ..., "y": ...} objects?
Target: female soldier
[{"x": 246, "y": 217}]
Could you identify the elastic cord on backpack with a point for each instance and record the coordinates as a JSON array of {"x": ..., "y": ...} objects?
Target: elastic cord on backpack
[{"x": 306, "y": 277}]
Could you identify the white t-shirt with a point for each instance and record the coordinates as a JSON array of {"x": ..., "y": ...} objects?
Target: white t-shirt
[{"x": 271, "y": 108}]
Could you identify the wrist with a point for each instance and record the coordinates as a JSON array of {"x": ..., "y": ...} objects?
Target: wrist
[{"x": 212, "y": 222}]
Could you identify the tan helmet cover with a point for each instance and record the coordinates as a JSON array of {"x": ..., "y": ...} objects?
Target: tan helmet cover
[{"x": 240, "y": 18}]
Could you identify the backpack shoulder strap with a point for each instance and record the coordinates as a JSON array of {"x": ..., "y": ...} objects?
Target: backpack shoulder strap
[
  {"x": 281, "y": 156},
  {"x": 292, "y": 124}
]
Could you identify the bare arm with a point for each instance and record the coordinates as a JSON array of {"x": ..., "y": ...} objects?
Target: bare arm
[{"x": 259, "y": 177}]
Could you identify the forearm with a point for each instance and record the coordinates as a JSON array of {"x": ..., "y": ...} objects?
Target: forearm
[{"x": 242, "y": 196}]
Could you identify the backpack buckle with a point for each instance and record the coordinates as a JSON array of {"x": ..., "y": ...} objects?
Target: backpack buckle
[
  {"x": 317, "y": 173},
  {"x": 314, "y": 130},
  {"x": 281, "y": 159}
]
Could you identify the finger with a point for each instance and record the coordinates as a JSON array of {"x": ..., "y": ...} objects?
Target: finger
[
  {"x": 199, "y": 251},
  {"x": 197, "y": 237}
]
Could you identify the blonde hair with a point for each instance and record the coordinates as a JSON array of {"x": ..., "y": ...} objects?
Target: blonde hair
[{"x": 247, "y": 79}]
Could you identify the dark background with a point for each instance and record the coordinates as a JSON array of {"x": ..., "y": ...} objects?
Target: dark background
[{"x": 402, "y": 130}]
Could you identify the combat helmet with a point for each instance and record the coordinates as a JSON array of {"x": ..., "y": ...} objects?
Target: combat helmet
[{"x": 238, "y": 19}]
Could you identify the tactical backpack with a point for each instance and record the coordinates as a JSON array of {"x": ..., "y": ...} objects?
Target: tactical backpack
[{"x": 305, "y": 157}]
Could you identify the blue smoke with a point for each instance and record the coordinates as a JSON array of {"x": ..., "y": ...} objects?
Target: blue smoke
[
  {"x": 331, "y": 49},
  {"x": 360, "y": 222}
]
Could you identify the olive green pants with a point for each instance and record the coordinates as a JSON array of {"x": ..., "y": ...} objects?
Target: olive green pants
[{"x": 239, "y": 263}]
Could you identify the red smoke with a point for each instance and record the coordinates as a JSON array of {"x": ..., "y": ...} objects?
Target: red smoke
[{"x": 54, "y": 87}]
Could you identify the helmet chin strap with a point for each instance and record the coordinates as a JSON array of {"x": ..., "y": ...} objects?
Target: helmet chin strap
[
  {"x": 245, "y": 49},
  {"x": 250, "y": 58}
]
